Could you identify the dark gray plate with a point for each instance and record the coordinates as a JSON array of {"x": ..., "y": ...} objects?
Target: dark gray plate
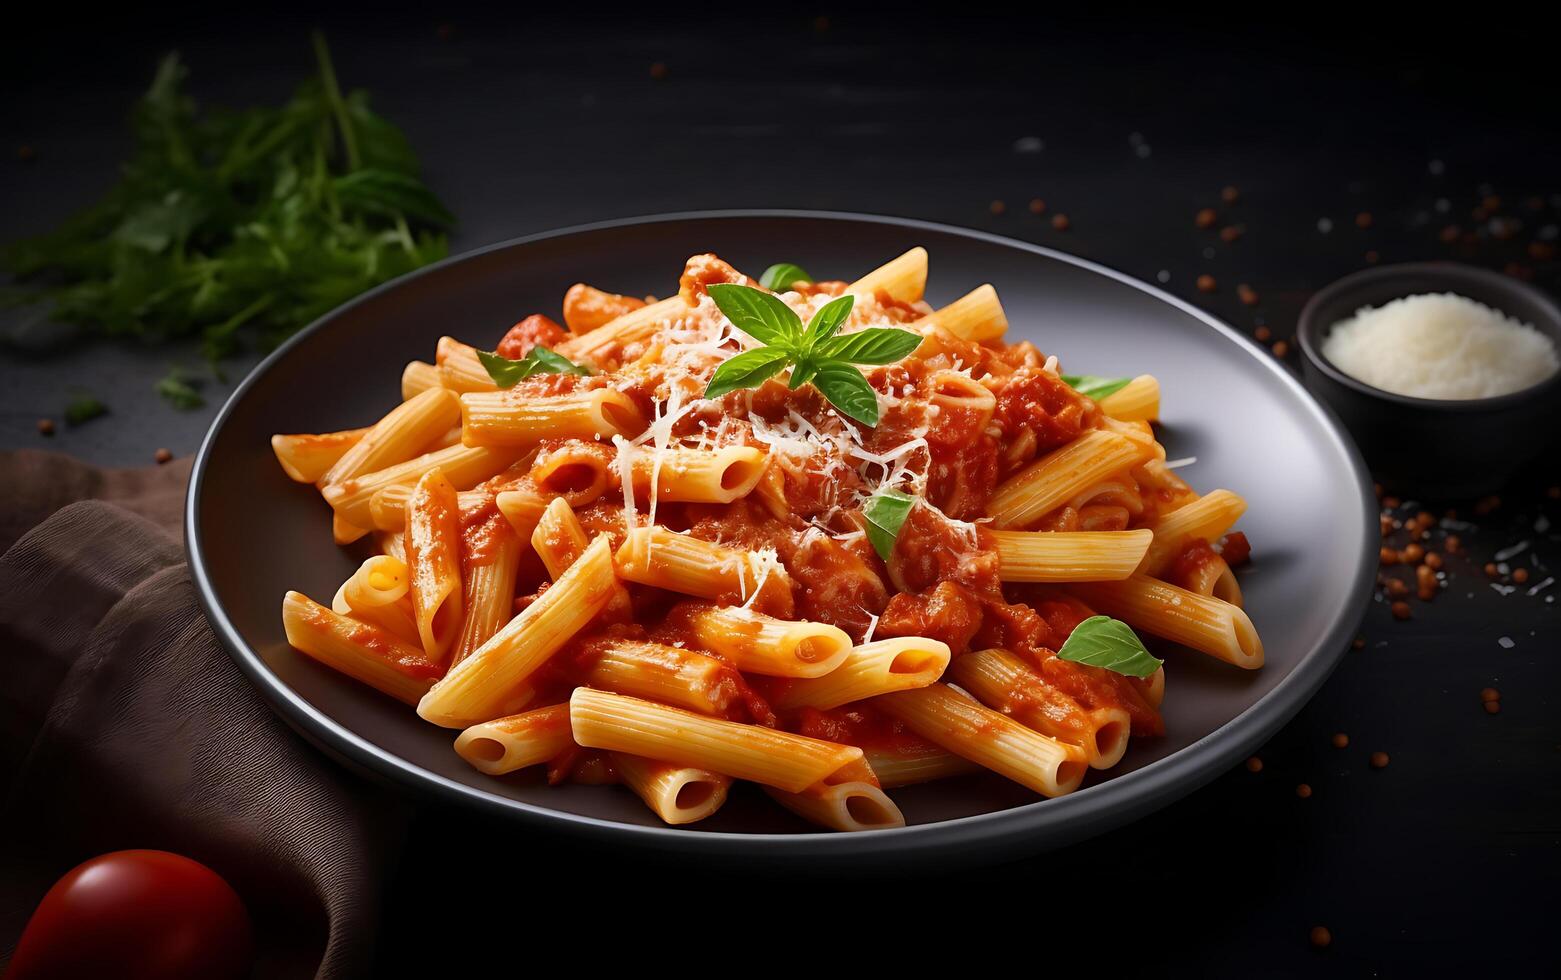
[{"x": 252, "y": 534}]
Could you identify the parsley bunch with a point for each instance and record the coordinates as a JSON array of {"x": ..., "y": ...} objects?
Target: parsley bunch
[
  {"x": 261, "y": 219},
  {"x": 814, "y": 353}
]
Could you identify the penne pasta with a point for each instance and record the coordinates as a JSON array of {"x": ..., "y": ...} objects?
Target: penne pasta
[
  {"x": 1137, "y": 401},
  {"x": 657, "y": 672},
  {"x": 903, "y": 278},
  {"x": 358, "y": 650},
  {"x": 434, "y": 562},
  {"x": 1064, "y": 556},
  {"x": 491, "y": 681},
  {"x": 504, "y": 418},
  {"x": 698, "y": 476},
  {"x": 459, "y": 368},
  {"x": 463, "y": 466},
  {"x": 875, "y": 668},
  {"x": 516, "y": 741},
  {"x": 632, "y": 327},
  {"x": 677, "y": 794},
  {"x": 1034, "y": 491},
  {"x": 992, "y": 740},
  {"x": 307, "y": 458},
  {"x": 559, "y": 541},
  {"x": 977, "y": 316},
  {"x": 845, "y": 806},
  {"x": 403, "y": 433},
  {"x": 760, "y": 644},
  {"x": 762, "y": 755},
  {"x": 1006, "y": 682},
  {"x": 523, "y": 508},
  {"x": 1204, "y": 623},
  {"x": 417, "y": 377},
  {"x": 1204, "y": 519},
  {"x": 378, "y": 594},
  {"x": 683, "y": 563},
  {"x": 487, "y": 590},
  {"x": 912, "y": 761}
]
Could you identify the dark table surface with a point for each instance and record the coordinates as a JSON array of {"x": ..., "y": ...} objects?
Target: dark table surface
[{"x": 1449, "y": 856}]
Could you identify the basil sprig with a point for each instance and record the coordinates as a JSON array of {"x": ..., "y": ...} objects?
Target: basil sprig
[
  {"x": 814, "y": 353},
  {"x": 886, "y": 511},
  {"x": 782, "y": 276},
  {"x": 1095, "y": 387},
  {"x": 1101, "y": 641},
  {"x": 505, "y": 372}
]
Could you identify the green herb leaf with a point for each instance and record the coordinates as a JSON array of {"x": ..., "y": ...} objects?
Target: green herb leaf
[
  {"x": 782, "y": 275},
  {"x": 1101, "y": 641},
  {"x": 749, "y": 369},
  {"x": 848, "y": 391},
  {"x": 803, "y": 372},
  {"x": 1096, "y": 388},
  {"x": 886, "y": 511},
  {"x": 507, "y": 373},
  {"x": 826, "y": 321},
  {"x": 178, "y": 390},
  {"x": 84, "y": 408},
  {"x": 875, "y": 345},
  {"x": 758, "y": 314}
]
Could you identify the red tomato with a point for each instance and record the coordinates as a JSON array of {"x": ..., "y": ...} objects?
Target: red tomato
[{"x": 135, "y": 915}]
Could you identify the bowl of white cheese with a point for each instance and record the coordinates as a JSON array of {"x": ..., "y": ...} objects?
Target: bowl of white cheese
[{"x": 1447, "y": 376}]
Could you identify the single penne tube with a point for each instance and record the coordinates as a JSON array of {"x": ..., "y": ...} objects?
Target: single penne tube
[
  {"x": 753, "y": 752},
  {"x": 1153, "y": 688},
  {"x": 1204, "y": 623},
  {"x": 677, "y": 794},
  {"x": 392, "y": 543},
  {"x": 417, "y": 377},
  {"x": 577, "y": 471},
  {"x": 968, "y": 728},
  {"x": 1204, "y": 519},
  {"x": 844, "y": 806},
  {"x": 1211, "y": 576},
  {"x": 378, "y": 594},
  {"x": 977, "y": 316},
  {"x": 395, "y": 618},
  {"x": 633, "y": 326},
  {"x": 698, "y": 476},
  {"x": 760, "y": 644},
  {"x": 463, "y": 466},
  {"x": 434, "y": 562},
  {"x": 1069, "y": 556},
  {"x": 487, "y": 590},
  {"x": 683, "y": 563},
  {"x": 344, "y": 532},
  {"x": 903, "y": 278},
  {"x": 523, "y": 508},
  {"x": 388, "y": 507},
  {"x": 358, "y": 650},
  {"x": 657, "y": 672},
  {"x": 910, "y": 762},
  {"x": 895, "y": 664},
  {"x": 516, "y": 741},
  {"x": 459, "y": 368},
  {"x": 1136, "y": 401},
  {"x": 307, "y": 458},
  {"x": 486, "y": 684},
  {"x": 1004, "y": 681},
  {"x": 505, "y": 418},
  {"x": 403, "y": 433},
  {"x": 1045, "y": 484},
  {"x": 559, "y": 540}
]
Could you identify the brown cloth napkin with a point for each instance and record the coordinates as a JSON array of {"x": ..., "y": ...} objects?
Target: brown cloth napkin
[{"x": 126, "y": 725}]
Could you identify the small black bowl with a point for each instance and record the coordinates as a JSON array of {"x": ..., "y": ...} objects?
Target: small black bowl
[{"x": 1430, "y": 446}]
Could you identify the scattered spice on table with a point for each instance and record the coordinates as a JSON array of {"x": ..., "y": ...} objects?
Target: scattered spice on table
[
  {"x": 1246, "y": 294},
  {"x": 162, "y": 456},
  {"x": 1281, "y": 349},
  {"x": 46, "y": 427},
  {"x": 1321, "y": 937},
  {"x": 997, "y": 207},
  {"x": 1207, "y": 284},
  {"x": 1303, "y": 791},
  {"x": 1379, "y": 760},
  {"x": 1230, "y": 195},
  {"x": 1401, "y": 610},
  {"x": 1263, "y": 335},
  {"x": 1206, "y": 218},
  {"x": 1340, "y": 740},
  {"x": 1037, "y": 206},
  {"x": 1060, "y": 222},
  {"x": 1230, "y": 233},
  {"x": 1254, "y": 764}
]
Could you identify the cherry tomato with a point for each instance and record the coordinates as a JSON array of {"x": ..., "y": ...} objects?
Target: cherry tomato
[{"x": 135, "y": 915}]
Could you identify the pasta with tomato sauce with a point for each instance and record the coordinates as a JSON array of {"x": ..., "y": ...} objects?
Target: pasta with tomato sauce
[{"x": 815, "y": 535}]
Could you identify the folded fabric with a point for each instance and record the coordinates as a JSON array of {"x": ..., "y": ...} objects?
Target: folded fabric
[{"x": 126, "y": 725}]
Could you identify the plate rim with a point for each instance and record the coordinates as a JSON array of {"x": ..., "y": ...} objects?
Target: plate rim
[{"x": 1043, "y": 824}]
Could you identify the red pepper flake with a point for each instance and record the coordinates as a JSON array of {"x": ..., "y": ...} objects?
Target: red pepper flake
[
  {"x": 1379, "y": 760},
  {"x": 997, "y": 207},
  {"x": 162, "y": 456},
  {"x": 1254, "y": 764},
  {"x": 1206, "y": 218},
  {"x": 1340, "y": 740},
  {"x": 1263, "y": 335},
  {"x": 1491, "y": 571},
  {"x": 1520, "y": 575},
  {"x": 1303, "y": 791},
  {"x": 1060, "y": 222},
  {"x": 1037, "y": 206},
  {"x": 1452, "y": 544},
  {"x": 1246, "y": 294},
  {"x": 1489, "y": 694},
  {"x": 1493, "y": 707},
  {"x": 1400, "y": 610},
  {"x": 1321, "y": 937},
  {"x": 1230, "y": 233},
  {"x": 1425, "y": 583},
  {"x": 1230, "y": 195},
  {"x": 1280, "y": 349},
  {"x": 1412, "y": 553},
  {"x": 1206, "y": 283},
  {"x": 46, "y": 427}
]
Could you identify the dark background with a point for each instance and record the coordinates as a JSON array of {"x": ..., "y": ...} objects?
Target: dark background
[{"x": 1128, "y": 123}]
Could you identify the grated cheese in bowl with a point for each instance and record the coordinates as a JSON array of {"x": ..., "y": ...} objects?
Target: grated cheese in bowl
[{"x": 1440, "y": 345}]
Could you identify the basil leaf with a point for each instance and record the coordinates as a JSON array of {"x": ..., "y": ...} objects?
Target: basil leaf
[
  {"x": 747, "y": 370},
  {"x": 1094, "y": 387},
  {"x": 506, "y": 373},
  {"x": 802, "y": 373},
  {"x": 886, "y": 511},
  {"x": 827, "y": 320},
  {"x": 758, "y": 314},
  {"x": 875, "y": 345},
  {"x": 550, "y": 362},
  {"x": 179, "y": 390},
  {"x": 1101, "y": 641},
  {"x": 847, "y": 390},
  {"x": 84, "y": 408},
  {"x": 780, "y": 276}
]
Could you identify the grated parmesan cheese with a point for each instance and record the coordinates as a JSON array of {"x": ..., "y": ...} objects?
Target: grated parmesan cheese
[{"x": 1440, "y": 346}]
